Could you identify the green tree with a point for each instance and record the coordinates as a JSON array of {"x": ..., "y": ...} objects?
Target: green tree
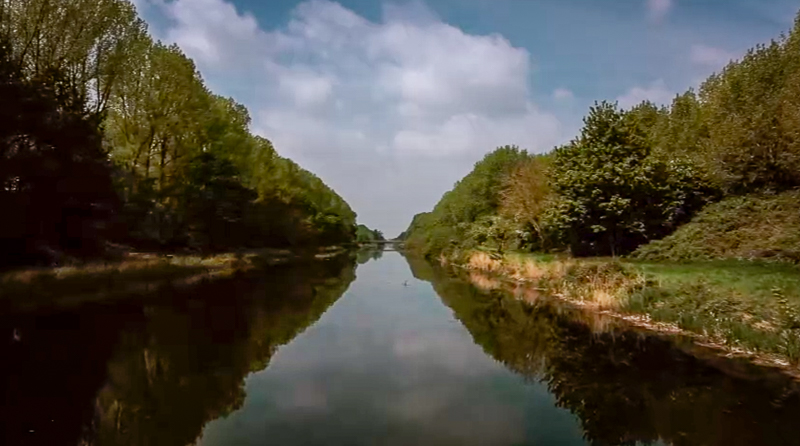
[
  {"x": 475, "y": 196},
  {"x": 614, "y": 196},
  {"x": 183, "y": 160},
  {"x": 87, "y": 41},
  {"x": 527, "y": 196}
]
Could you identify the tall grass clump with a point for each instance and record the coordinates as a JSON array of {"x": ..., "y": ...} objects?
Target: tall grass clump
[{"x": 605, "y": 285}]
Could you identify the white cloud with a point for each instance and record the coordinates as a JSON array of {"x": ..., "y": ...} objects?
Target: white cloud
[
  {"x": 306, "y": 89},
  {"x": 211, "y": 31},
  {"x": 563, "y": 94},
  {"x": 406, "y": 105},
  {"x": 656, "y": 92},
  {"x": 658, "y": 9},
  {"x": 708, "y": 56}
]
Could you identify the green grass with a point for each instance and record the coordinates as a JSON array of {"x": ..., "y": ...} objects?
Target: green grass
[
  {"x": 758, "y": 226},
  {"x": 744, "y": 305},
  {"x": 749, "y": 305},
  {"x": 752, "y": 280}
]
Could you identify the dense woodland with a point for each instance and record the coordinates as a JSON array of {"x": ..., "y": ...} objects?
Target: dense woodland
[
  {"x": 634, "y": 176},
  {"x": 108, "y": 135}
]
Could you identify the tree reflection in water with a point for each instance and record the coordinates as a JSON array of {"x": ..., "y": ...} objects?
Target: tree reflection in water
[
  {"x": 626, "y": 387},
  {"x": 154, "y": 371}
]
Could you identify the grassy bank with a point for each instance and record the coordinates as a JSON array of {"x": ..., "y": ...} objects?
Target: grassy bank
[
  {"x": 747, "y": 308},
  {"x": 136, "y": 273},
  {"x": 757, "y": 226}
]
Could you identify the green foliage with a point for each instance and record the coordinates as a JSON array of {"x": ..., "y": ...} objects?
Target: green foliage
[
  {"x": 185, "y": 164},
  {"x": 681, "y": 130},
  {"x": 745, "y": 304},
  {"x": 612, "y": 194},
  {"x": 606, "y": 192},
  {"x": 752, "y": 226},
  {"x": 634, "y": 176},
  {"x": 477, "y": 195},
  {"x": 365, "y": 234},
  {"x": 750, "y": 110},
  {"x": 527, "y": 199}
]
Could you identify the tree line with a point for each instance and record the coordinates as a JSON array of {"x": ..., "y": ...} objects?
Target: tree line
[
  {"x": 107, "y": 134},
  {"x": 365, "y": 234},
  {"x": 633, "y": 175}
]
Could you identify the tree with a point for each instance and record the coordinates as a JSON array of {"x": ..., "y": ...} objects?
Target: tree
[
  {"x": 750, "y": 108},
  {"x": 614, "y": 196},
  {"x": 182, "y": 159},
  {"x": 55, "y": 181},
  {"x": 477, "y": 195},
  {"x": 527, "y": 195},
  {"x": 87, "y": 41},
  {"x": 216, "y": 203}
]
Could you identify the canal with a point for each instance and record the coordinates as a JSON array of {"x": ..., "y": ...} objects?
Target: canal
[{"x": 368, "y": 349}]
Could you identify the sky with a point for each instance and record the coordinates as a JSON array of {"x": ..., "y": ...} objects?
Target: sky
[{"x": 392, "y": 102}]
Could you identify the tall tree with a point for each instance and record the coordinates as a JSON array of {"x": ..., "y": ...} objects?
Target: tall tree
[
  {"x": 613, "y": 195},
  {"x": 55, "y": 181}
]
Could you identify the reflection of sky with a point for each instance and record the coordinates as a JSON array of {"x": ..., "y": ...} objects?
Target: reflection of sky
[{"x": 390, "y": 365}]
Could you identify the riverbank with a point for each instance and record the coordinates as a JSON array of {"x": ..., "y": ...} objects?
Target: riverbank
[
  {"x": 138, "y": 273},
  {"x": 740, "y": 308}
]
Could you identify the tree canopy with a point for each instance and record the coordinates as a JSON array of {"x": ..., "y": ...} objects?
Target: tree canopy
[
  {"x": 633, "y": 176},
  {"x": 117, "y": 121}
]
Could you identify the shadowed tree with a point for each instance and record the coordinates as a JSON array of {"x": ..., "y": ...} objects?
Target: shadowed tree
[{"x": 55, "y": 179}]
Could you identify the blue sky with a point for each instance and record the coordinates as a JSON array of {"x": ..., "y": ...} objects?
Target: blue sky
[{"x": 390, "y": 103}]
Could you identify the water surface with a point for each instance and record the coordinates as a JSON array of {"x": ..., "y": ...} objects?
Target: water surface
[
  {"x": 390, "y": 364},
  {"x": 396, "y": 352}
]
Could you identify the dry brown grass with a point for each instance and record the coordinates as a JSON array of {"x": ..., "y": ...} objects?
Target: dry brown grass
[
  {"x": 484, "y": 282},
  {"x": 605, "y": 298},
  {"x": 604, "y": 286},
  {"x": 524, "y": 269},
  {"x": 135, "y": 262},
  {"x": 526, "y": 293},
  {"x": 484, "y": 262}
]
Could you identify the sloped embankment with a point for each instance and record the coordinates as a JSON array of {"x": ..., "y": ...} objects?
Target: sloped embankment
[
  {"x": 746, "y": 227},
  {"x": 744, "y": 309}
]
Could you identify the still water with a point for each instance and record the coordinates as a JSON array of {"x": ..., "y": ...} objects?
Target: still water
[{"x": 367, "y": 350}]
